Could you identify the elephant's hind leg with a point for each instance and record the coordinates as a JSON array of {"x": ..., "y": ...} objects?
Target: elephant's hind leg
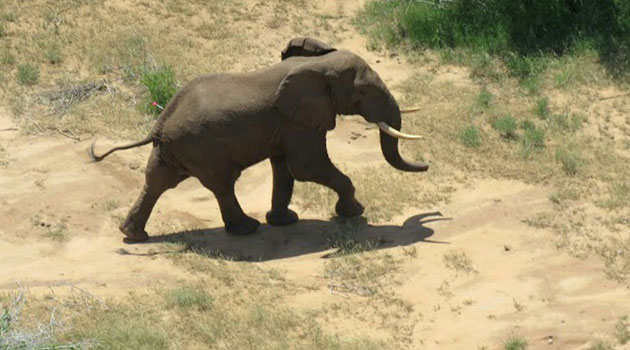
[
  {"x": 283, "y": 181},
  {"x": 237, "y": 223},
  {"x": 158, "y": 179}
]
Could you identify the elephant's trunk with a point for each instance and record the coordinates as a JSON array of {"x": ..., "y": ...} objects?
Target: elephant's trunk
[{"x": 389, "y": 147}]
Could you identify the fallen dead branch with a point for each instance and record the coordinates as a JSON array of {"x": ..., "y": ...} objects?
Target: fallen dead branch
[{"x": 61, "y": 100}]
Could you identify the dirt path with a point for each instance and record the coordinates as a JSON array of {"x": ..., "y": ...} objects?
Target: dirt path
[{"x": 59, "y": 215}]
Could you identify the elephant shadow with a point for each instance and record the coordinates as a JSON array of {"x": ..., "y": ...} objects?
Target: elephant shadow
[{"x": 304, "y": 237}]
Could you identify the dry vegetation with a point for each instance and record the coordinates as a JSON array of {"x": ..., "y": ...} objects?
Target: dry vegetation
[{"x": 75, "y": 67}]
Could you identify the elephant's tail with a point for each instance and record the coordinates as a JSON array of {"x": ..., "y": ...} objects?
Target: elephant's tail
[{"x": 96, "y": 158}]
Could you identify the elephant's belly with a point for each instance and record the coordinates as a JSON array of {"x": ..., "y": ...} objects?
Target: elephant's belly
[{"x": 219, "y": 152}]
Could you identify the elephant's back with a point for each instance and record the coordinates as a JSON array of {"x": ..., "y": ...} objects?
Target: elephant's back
[{"x": 218, "y": 116}]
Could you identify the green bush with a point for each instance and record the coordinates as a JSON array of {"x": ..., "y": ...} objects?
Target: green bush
[
  {"x": 519, "y": 31},
  {"x": 28, "y": 74},
  {"x": 161, "y": 85}
]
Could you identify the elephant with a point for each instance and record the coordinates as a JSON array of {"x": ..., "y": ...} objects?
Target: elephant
[{"x": 220, "y": 124}]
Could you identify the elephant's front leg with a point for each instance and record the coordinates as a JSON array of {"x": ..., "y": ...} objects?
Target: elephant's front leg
[
  {"x": 307, "y": 158},
  {"x": 280, "y": 214}
]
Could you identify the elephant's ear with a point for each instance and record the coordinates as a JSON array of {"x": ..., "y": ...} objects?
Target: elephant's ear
[
  {"x": 304, "y": 46},
  {"x": 304, "y": 96}
]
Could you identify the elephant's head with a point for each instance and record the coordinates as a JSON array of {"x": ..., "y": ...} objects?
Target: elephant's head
[
  {"x": 305, "y": 46},
  {"x": 340, "y": 82}
]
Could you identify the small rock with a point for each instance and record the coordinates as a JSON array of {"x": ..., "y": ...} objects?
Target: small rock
[
  {"x": 378, "y": 61},
  {"x": 550, "y": 340},
  {"x": 507, "y": 248}
]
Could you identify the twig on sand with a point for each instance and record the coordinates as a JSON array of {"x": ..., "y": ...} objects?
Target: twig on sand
[
  {"x": 34, "y": 123},
  {"x": 9, "y": 129},
  {"x": 69, "y": 134},
  {"x": 616, "y": 96}
]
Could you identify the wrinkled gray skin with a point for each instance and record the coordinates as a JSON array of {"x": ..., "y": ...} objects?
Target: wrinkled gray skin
[{"x": 220, "y": 124}]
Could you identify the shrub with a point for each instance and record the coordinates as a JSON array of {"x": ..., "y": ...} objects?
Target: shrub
[
  {"x": 519, "y": 31},
  {"x": 28, "y": 74},
  {"x": 161, "y": 85}
]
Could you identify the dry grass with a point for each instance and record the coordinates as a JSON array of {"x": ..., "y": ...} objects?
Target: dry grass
[
  {"x": 458, "y": 261},
  {"x": 161, "y": 320},
  {"x": 383, "y": 191},
  {"x": 53, "y": 46}
]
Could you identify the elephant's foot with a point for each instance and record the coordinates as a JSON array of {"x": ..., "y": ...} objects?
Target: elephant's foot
[
  {"x": 243, "y": 227},
  {"x": 281, "y": 217},
  {"x": 349, "y": 208},
  {"x": 133, "y": 234}
]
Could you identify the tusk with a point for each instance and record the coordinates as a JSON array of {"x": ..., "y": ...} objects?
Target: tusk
[
  {"x": 395, "y": 133},
  {"x": 409, "y": 110}
]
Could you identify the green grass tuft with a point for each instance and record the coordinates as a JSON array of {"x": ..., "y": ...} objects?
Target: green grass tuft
[
  {"x": 618, "y": 196},
  {"x": 189, "y": 297},
  {"x": 7, "y": 58},
  {"x": 470, "y": 136},
  {"x": 622, "y": 330},
  {"x": 28, "y": 74},
  {"x": 515, "y": 343},
  {"x": 506, "y": 126},
  {"x": 53, "y": 55},
  {"x": 541, "y": 110},
  {"x": 533, "y": 140},
  {"x": 570, "y": 160},
  {"x": 600, "y": 344},
  {"x": 484, "y": 98}
]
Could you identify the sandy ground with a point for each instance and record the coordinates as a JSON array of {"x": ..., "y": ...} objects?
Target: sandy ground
[{"x": 58, "y": 227}]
